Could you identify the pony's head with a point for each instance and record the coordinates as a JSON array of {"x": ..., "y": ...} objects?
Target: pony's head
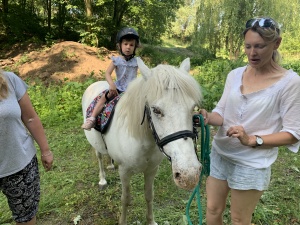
[
  {"x": 171, "y": 94},
  {"x": 165, "y": 84}
]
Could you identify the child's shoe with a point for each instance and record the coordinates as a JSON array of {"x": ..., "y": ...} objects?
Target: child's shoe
[{"x": 89, "y": 123}]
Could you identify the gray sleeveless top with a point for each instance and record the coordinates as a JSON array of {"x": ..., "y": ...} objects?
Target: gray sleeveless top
[
  {"x": 126, "y": 71},
  {"x": 16, "y": 145}
]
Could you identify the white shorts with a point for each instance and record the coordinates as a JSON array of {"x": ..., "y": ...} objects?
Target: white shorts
[{"x": 237, "y": 176}]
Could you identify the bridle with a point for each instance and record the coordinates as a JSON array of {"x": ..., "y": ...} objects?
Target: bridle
[{"x": 169, "y": 138}]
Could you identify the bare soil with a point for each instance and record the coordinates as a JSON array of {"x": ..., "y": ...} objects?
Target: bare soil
[{"x": 65, "y": 60}]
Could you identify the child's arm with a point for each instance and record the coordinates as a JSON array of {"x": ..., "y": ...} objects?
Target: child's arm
[{"x": 112, "y": 86}]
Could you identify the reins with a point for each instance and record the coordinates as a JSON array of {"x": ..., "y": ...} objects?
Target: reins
[{"x": 205, "y": 160}]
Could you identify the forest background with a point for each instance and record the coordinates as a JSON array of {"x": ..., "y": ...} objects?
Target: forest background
[
  {"x": 211, "y": 25},
  {"x": 207, "y": 31}
]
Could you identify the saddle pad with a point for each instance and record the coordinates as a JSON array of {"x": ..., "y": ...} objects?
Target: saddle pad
[{"x": 104, "y": 118}]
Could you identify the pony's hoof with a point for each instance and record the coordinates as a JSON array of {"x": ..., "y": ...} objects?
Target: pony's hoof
[{"x": 102, "y": 187}]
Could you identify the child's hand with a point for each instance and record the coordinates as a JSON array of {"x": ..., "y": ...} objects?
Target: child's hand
[{"x": 113, "y": 90}]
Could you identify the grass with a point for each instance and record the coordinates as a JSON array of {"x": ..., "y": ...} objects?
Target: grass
[
  {"x": 71, "y": 191},
  {"x": 71, "y": 188}
]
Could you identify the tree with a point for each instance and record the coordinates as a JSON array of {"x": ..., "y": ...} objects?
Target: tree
[
  {"x": 219, "y": 24},
  {"x": 207, "y": 26},
  {"x": 183, "y": 26},
  {"x": 154, "y": 17},
  {"x": 150, "y": 17}
]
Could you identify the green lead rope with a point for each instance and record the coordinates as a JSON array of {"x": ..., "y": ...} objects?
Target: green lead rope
[{"x": 205, "y": 160}]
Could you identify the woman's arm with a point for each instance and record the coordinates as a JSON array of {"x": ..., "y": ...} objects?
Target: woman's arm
[
  {"x": 213, "y": 118},
  {"x": 278, "y": 139},
  {"x": 282, "y": 138},
  {"x": 34, "y": 125}
]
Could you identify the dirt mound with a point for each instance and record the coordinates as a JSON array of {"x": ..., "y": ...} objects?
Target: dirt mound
[{"x": 62, "y": 61}]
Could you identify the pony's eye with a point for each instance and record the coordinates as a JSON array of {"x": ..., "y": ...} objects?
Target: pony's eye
[{"x": 157, "y": 111}]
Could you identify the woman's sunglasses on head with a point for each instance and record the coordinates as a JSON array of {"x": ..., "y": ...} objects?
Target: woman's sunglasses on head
[{"x": 263, "y": 23}]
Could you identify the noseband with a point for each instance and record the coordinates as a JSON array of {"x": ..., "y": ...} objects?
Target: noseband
[{"x": 169, "y": 138}]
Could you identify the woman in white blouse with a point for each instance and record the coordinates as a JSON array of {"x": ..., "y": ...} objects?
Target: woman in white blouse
[{"x": 257, "y": 113}]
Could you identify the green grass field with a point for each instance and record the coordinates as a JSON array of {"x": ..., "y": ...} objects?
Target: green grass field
[{"x": 70, "y": 191}]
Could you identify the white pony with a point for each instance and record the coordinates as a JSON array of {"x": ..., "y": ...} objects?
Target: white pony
[{"x": 153, "y": 119}]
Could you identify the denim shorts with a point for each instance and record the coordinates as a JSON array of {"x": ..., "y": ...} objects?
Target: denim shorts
[
  {"x": 237, "y": 176},
  {"x": 22, "y": 190}
]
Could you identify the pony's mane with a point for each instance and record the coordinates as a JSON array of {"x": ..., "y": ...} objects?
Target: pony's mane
[{"x": 179, "y": 84}]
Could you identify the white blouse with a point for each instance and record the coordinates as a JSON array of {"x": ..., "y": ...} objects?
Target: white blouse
[{"x": 271, "y": 110}]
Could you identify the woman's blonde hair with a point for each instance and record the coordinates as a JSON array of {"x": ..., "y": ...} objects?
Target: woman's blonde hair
[
  {"x": 3, "y": 86},
  {"x": 270, "y": 35}
]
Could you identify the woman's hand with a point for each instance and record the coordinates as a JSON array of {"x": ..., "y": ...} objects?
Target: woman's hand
[
  {"x": 47, "y": 160},
  {"x": 204, "y": 113},
  {"x": 240, "y": 133}
]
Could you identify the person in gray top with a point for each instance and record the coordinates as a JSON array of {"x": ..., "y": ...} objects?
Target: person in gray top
[
  {"x": 19, "y": 127},
  {"x": 126, "y": 69}
]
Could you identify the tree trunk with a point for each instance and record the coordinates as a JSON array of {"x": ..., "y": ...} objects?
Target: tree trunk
[
  {"x": 5, "y": 6},
  {"x": 23, "y": 4},
  {"x": 89, "y": 12},
  {"x": 120, "y": 8},
  {"x": 88, "y": 8},
  {"x": 61, "y": 17},
  {"x": 49, "y": 15}
]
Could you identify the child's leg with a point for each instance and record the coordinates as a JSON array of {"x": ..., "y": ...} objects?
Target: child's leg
[
  {"x": 99, "y": 106},
  {"x": 90, "y": 121}
]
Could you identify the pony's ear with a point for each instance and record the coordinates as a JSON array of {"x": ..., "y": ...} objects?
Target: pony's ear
[
  {"x": 186, "y": 65},
  {"x": 145, "y": 71}
]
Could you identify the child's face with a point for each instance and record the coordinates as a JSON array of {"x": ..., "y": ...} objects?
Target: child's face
[{"x": 128, "y": 46}]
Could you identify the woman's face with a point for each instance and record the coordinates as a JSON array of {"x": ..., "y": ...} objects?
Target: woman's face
[
  {"x": 128, "y": 46},
  {"x": 258, "y": 51}
]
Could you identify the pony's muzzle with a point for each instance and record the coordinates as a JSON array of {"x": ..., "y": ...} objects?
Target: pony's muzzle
[{"x": 187, "y": 179}]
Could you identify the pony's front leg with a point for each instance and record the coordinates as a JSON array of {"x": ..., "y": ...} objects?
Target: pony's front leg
[
  {"x": 102, "y": 176},
  {"x": 125, "y": 176},
  {"x": 111, "y": 165},
  {"x": 149, "y": 176}
]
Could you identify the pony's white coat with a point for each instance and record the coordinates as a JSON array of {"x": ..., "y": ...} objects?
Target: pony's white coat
[{"x": 171, "y": 94}]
